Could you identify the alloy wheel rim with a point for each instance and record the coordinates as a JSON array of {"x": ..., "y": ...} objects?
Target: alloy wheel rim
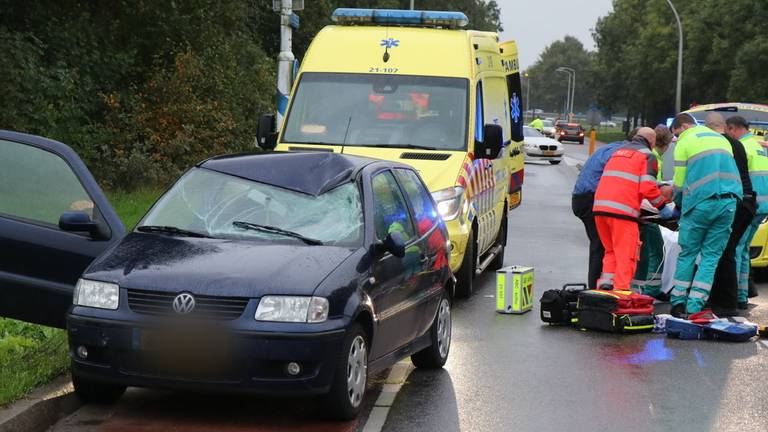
[
  {"x": 357, "y": 370},
  {"x": 444, "y": 328}
]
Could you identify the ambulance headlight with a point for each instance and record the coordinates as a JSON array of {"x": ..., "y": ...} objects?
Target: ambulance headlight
[
  {"x": 96, "y": 294},
  {"x": 450, "y": 202}
]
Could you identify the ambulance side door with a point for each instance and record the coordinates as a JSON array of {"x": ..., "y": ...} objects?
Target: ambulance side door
[
  {"x": 517, "y": 159},
  {"x": 496, "y": 111}
]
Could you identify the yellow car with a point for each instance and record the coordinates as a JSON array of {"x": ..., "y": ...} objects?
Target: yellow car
[
  {"x": 415, "y": 87},
  {"x": 758, "y": 250}
]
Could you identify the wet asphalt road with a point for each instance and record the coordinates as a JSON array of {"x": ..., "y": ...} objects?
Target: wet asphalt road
[{"x": 508, "y": 372}]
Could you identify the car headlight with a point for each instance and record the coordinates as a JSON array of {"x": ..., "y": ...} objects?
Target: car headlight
[
  {"x": 292, "y": 309},
  {"x": 450, "y": 202},
  {"x": 95, "y": 294}
]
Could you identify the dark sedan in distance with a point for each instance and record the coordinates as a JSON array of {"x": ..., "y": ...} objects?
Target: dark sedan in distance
[
  {"x": 282, "y": 273},
  {"x": 571, "y": 132}
]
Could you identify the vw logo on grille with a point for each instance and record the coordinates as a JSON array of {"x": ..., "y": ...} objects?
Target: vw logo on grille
[{"x": 184, "y": 303}]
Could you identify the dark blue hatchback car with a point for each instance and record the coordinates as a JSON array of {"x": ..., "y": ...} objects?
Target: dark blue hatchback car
[{"x": 290, "y": 273}]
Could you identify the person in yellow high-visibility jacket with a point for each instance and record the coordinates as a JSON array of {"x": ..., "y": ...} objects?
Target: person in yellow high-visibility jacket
[
  {"x": 707, "y": 187},
  {"x": 757, "y": 160},
  {"x": 537, "y": 124}
]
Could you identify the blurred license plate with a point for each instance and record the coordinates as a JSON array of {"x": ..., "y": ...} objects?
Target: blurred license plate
[
  {"x": 182, "y": 341},
  {"x": 549, "y": 153}
]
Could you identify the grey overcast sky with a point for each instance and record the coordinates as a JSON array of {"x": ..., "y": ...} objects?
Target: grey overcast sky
[{"x": 535, "y": 24}]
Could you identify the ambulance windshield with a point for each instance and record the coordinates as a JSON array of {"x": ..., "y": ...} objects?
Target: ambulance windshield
[{"x": 379, "y": 110}]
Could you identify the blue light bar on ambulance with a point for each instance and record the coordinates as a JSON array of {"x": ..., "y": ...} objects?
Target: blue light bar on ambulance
[{"x": 351, "y": 16}]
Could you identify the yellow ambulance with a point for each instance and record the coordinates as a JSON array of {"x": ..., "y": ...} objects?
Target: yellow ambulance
[{"x": 415, "y": 87}]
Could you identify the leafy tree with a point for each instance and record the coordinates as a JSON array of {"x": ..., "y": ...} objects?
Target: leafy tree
[
  {"x": 549, "y": 88},
  {"x": 636, "y": 61}
]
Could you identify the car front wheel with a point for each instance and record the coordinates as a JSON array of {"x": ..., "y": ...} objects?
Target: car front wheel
[
  {"x": 351, "y": 376},
  {"x": 435, "y": 355},
  {"x": 90, "y": 391}
]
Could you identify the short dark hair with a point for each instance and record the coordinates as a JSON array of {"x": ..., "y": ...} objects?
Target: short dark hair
[
  {"x": 737, "y": 121},
  {"x": 682, "y": 119}
]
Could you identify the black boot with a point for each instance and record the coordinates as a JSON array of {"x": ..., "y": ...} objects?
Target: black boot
[
  {"x": 678, "y": 311},
  {"x": 725, "y": 312},
  {"x": 743, "y": 305},
  {"x": 752, "y": 288},
  {"x": 661, "y": 296}
]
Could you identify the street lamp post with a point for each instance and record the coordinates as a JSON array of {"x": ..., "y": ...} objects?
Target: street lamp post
[
  {"x": 568, "y": 93},
  {"x": 679, "y": 89},
  {"x": 572, "y": 88}
]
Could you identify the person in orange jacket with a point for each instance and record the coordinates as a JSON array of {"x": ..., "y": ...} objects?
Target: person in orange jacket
[{"x": 628, "y": 178}]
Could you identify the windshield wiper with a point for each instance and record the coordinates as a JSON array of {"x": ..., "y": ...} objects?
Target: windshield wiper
[
  {"x": 276, "y": 230},
  {"x": 171, "y": 230},
  {"x": 406, "y": 146}
]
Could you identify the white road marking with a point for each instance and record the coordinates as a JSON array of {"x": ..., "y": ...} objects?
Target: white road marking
[
  {"x": 392, "y": 386},
  {"x": 764, "y": 342}
]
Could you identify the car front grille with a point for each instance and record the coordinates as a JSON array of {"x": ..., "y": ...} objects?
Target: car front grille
[
  {"x": 207, "y": 307},
  {"x": 548, "y": 147}
]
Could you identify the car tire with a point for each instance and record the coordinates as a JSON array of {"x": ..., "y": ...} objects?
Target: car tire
[
  {"x": 346, "y": 398},
  {"x": 466, "y": 274},
  {"x": 90, "y": 391},
  {"x": 436, "y": 354},
  {"x": 554, "y": 162},
  {"x": 501, "y": 239}
]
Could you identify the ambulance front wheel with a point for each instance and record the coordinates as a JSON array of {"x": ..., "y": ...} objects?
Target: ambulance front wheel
[
  {"x": 466, "y": 274},
  {"x": 436, "y": 354}
]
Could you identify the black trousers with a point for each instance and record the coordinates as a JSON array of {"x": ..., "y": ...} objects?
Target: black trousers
[
  {"x": 582, "y": 208},
  {"x": 725, "y": 285}
]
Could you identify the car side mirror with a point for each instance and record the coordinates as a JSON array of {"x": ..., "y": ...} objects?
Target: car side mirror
[
  {"x": 493, "y": 141},
  {"x": 266, "y": 133},
  {"x": 394, "y": 244},
  {"x": 78, "y": 221}
]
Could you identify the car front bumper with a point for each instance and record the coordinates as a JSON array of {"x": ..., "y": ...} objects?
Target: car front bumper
[
  {"x": 539, "y": 155},
  {"x": 256, "y": 361},
  {"x": 570, "y": 138}
]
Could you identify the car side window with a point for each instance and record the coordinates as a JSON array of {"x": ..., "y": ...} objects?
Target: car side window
[
  {"x": 390, "y": 210},
  {"x": 38, "y": 185},
  {"x": 424, "y": 212}
]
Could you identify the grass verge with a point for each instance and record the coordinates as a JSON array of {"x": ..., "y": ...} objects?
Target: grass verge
[
  {"x": 31, "y": 355},
  {"x": 611, "y": 135}
]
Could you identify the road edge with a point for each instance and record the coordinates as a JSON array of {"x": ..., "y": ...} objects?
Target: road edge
[
  {"x": 42, "y": 408},
  {"x": 397, "y": 377}
]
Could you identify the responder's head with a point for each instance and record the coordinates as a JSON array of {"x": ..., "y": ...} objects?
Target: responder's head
[
  {"x": 716, "y": 122},
  {"x": 663, "y": 138},
  {"x": 682, "y": 122},
  {"x": 631, "y": 135},
  {"x": 737, "y": 126},
  {"x": 648, "y": 134}
]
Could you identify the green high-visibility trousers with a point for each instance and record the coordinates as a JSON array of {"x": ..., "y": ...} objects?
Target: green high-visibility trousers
[
  {"x": 704, "y": 230},
  {"x": 651, "y": 264}
]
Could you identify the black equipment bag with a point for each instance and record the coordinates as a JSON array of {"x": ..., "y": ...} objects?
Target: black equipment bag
[{"x": 558, "y": 307}]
